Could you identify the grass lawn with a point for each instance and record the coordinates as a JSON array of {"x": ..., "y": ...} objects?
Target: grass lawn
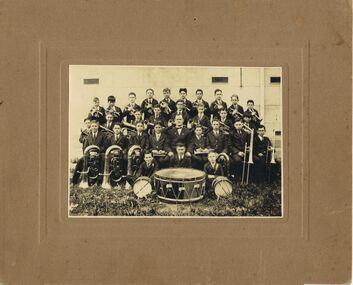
[{"x": 246, "y": 200}]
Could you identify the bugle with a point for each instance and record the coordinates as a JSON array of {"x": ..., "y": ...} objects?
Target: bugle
[{"x": 96, "y": 110}]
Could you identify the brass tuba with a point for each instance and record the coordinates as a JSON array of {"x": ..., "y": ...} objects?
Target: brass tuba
[
  {"x": 223, "y": 159},
  {"x": 132, "y": 159},
  {"x": 107, "y": 171},
  {"x": 86, "y": 168}
]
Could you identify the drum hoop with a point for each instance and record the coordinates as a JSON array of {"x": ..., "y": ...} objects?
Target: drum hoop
[
  {"x": 183, "y": 200},
  {"x": 220, "y": 179},
  {"x": 202, "y": 175},
  {"x": 179, "y": 181},
  {"x": 143, "y": 178}
]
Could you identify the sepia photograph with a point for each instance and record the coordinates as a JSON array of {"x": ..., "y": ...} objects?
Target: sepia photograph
[{"x": 175, "y": 141}]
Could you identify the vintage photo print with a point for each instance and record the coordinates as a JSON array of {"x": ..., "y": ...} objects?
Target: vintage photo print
[{"x": 161, "y": 141}]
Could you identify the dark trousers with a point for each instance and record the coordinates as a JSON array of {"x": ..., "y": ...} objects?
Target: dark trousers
[{"x": 198, "y": 161}]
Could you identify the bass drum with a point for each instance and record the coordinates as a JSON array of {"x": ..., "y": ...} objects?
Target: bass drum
[
  {"x": 222, "y": 186},
  {"x": 142, "y": 186},
  {"x": 180, "y": 184}
]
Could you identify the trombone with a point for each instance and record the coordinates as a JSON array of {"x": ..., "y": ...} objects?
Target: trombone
[{"x": 248, "y": 160}]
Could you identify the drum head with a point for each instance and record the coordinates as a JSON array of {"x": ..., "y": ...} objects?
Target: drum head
[
  {"x": 223, "y": 188},
  {"x": 142, "y": 187},
  {"x": 182, "y": 174}
]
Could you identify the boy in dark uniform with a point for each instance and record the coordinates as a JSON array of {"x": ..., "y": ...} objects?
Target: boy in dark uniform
[
  {"x": 253, "y": 114},
  {"x": 107, "y": 127},
  {"x": 180, "y": 111},
  {"x": 148, "y": 104},
  {"x": 198, "y": 101},
  {"x": 168, "y": 106},
  {"x": 261, "y": 154},
  {"x": 201, "y": 118},
  {"x": 238, "y": 138},
  {"x": 128, "y": 112},
  {"x": 225, "y": 123},
  {"x": 175, "y": 135},
  {"x": 216, "y": 140},
  {"x": 235, "y": 111},
  {"x": 212, "y": 169},
  {"x": 85, "y": 132},
  {"x": 217, "y": 104},
  {"x": 97, "y": 113},
  {"x": 157, "y": 144},
  {"x": 183, "y": 92},
  {"x": 197, "y": 143},
  {"x": 114, "y": 110},
  {"x": 148, "y": 167},
  {"x": 158, "y": 116},
  {"x": 181, "y": 159},
  {"x": 140, "y": 137}
]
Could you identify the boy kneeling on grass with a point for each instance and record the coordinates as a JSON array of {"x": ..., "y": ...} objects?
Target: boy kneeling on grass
[{"x": 212, "y": 169}]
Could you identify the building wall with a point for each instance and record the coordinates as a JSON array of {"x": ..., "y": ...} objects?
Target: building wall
[{"x": 247, "y": 82}]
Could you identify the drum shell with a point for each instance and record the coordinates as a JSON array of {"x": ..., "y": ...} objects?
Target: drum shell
[
  {"x": 219, "y": 189},
  {"x": 183, "y": 189}
]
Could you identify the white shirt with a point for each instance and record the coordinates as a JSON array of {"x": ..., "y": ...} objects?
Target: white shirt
[{"x": 158, "y": 136}]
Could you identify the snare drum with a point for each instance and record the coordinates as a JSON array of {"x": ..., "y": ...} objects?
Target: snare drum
[
  {"x": 180, "y": 184},
  {"x": 222, "y": 186},
  {"x": 142, "y": 186}
]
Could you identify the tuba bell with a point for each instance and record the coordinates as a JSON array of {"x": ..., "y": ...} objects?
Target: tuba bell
[
  {"x": 86, "y": 165},
  {"x": 223, "y": 159},
  {"x": 133, "y": 159},
  {"x": 108, "y": 167}
]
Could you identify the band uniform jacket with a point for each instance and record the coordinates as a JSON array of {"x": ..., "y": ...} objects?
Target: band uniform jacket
[
  {"x": 205, "y": 104},
  {"x": 237, "y": 141},
  {"x": 97, "y": 115},
  {"x": 173, "y": 138},
  {"x": 130, "y": 114},
  {"x": 159, "y": 144},
  {"x": 217, "y": 170},
  {"x": 216, "y": 106},
  {"x": 184, "y": 114},
  {"x": 217, "y": 142},
  {"x": 148, "y": 112},
  {"x": 144, "y": 170},
  {"x": 117, "y": 113},
  {"x": 99, "y": 141},
  {"x": 231, "y": 109},
  {"x": 172, "y": 107},
  {"x": 108, "y": 126},
  {"x": 204, "y": 121},
  {"x": 254, "y": 121},
  {"x": 195, "y": 143},
  {"x": 83, "y": 137},
  {"x": 185, "y": 162},
  {"x": 119, "y": 140},
  {"x": 260, "y": 146},
  {"x": 188, "y": 105},
  {"x": 227, "y": 122},
  {"x": 141, "y": 140},
  {"x": 161, "y": 119}
]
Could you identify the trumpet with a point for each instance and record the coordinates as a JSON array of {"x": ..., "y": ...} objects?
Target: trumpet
[
  {"x": 253, "y": 113},
  {"x": 84, "y": 132},
  {"x": 235, "y": 112},
  {"x": 111, "y": 111},
  {"x": 95, "y": 110},
  {"x": 165, "y": 106},
  {"x": 186, "y": 108},
  {"x": 224, "y": 126}
]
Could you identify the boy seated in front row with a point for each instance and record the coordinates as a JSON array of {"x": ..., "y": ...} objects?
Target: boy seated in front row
[
  {"x": 212, "y": 169},
  {"x": 198, "y": 144},
  {"x": 157, "y": 144},
  {"x": 148, "y": 167},
  {"x": 181, "y": 159}
]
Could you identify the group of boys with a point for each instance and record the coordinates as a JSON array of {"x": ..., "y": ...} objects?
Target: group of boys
[{"x": 180, "y": 133}]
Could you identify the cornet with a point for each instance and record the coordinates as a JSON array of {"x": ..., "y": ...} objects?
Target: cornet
[
  {"x": 96, "y": 110},
  {"x": 165, "y": 106}
]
